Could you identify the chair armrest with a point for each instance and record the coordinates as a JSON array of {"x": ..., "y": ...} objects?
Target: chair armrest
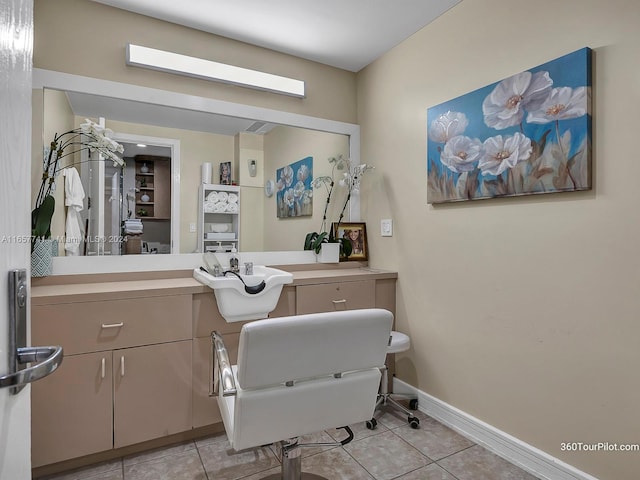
[{"x": 222, "y": 372}]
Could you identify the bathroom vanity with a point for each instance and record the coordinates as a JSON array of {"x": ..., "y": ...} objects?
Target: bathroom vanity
[{"x": 137, "y": 349}]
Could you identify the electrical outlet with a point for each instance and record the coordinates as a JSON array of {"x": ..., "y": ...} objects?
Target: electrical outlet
[
  {"x": 386, "y": 228},
  {"x": 192, "y": 228}
]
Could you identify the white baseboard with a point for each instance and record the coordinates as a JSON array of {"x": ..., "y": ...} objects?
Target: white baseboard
[{"x": 525, "y": 456}]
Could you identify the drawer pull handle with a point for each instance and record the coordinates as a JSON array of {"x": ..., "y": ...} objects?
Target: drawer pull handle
[
  {"x": 339, "y": 304},
  {"x": 113, "y": 325},
  {"x": 122, "y": 366},
  {"x": 104, "y": 372}
]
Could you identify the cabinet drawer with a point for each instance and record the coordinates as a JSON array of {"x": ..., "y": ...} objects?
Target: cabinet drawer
[
  {"x": 327, "y": 297},
  {"x": 107, "y": 325}
]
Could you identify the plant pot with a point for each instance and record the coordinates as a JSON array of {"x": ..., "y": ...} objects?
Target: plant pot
[
  {"x": 329, "y": 253},
  {"x": 42, "y": 256}
]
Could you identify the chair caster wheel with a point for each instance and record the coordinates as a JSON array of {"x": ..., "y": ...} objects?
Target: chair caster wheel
[
  {"x": 371, "y": 424},
  {"x": 414, "y": 422},
  {"x": 413, "y": 404}
]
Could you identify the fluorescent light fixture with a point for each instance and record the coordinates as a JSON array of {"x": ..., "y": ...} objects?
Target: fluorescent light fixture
[
  {"x": 141, "y": 145},
  {"x": 200, "y": 68}
]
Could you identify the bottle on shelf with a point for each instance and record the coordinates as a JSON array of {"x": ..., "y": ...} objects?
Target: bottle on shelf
[{"x": 234, "y": 261}]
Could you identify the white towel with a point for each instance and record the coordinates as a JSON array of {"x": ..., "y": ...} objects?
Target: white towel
[
  {"x": 212, "y": 197},
  {"x": 223, "y": 197},
  {"x": 74, "y": 197},
  {"x": 232, "y": 207},
  {"x": 233, "y": 198}
]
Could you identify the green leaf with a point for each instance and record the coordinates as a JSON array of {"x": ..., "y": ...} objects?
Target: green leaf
[
  {"x": 41, "y": 217},
  {"x": 308, "y": 240}
]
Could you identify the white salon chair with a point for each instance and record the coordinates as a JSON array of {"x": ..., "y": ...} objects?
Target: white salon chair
[
  {"x": 298, "y": 375},
  {"x": 398, "y": 342}
]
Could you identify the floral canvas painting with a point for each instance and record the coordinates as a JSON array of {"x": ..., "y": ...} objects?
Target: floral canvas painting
[
  {"x": 527, "y": 134},
  {"x": 294, "y": 195}
]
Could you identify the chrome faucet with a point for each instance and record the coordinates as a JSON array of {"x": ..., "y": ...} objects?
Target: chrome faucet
[{"x": 248, "y": 268}]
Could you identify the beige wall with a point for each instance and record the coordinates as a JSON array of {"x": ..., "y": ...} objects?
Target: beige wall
[
  {"x": 523, "y": 312},
  {"x": 286, "y": 145},
  {"x": 89, "y": 38},
  {"x": 59, "y": 119}
]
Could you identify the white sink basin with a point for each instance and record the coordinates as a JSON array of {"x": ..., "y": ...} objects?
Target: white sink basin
[{"x": 234, "y": 303}]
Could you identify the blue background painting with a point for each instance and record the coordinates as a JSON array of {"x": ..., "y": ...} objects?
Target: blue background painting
[
  {"x": 294, "y": 195},
  {"x": 572, "y": 70}
]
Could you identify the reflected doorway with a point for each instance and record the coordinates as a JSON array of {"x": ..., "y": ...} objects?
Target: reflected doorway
[{"x": 132, "y": 210}]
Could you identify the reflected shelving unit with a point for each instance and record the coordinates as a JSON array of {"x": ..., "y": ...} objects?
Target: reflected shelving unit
[{"x": 219, "y": 218}]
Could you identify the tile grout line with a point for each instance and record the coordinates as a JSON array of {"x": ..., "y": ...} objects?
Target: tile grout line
[{"x": 206, "y": 474}]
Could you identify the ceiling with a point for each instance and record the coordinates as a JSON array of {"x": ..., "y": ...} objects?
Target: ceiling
[{"x": 347, "y": 34}]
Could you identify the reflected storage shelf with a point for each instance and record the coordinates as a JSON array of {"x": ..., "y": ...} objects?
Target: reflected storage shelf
[
  {"x": 219, "y": 218},
  {"x": 153, "y": 177}
]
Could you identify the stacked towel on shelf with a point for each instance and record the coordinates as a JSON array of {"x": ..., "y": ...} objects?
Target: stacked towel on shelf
[
  {"x": 221, "y": 202},
  {"x": 133, "y": 226}
]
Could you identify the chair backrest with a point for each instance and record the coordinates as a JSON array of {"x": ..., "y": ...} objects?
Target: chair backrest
[
  {"x": 286, "y": 375},
  {"x": 278, "y": 350}
]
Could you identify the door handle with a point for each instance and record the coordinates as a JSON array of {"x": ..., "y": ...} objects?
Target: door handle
[{"x": 44, "y": 360}]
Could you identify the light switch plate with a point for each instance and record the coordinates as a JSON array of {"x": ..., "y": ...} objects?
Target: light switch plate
[
  {"x": 386, "y": 228},
  {"x": 192, "y": 228}
]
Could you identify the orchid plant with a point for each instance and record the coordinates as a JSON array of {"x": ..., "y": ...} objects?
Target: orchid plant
[
  {"x": 314, "y": 240},
  {"x": 89, "y": 136},
  {"x": 351, "y": 179}
]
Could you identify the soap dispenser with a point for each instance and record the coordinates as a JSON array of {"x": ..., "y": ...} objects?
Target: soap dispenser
[{"x": 234, "y": 261}]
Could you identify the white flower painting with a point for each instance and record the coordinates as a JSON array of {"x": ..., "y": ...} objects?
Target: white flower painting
[
  {"x": 294, "y": 194},
  {"x": 527, "y": 134}
]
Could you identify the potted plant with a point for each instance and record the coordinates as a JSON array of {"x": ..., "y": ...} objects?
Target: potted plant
[
  {"x": 89, "y": 136},
  {"x": 351, "y": 180},
  {"x": 323, "y": 240}
]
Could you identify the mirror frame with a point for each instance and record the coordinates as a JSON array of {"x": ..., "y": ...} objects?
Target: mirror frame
[{"x": 70, "y": 82}]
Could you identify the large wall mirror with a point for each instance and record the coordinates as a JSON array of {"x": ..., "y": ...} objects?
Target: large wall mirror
[{"x": 160, "y": 185}]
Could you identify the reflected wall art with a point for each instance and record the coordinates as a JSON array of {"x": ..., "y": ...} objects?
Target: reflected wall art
[
  {"x": 527, "y": 134},
  {"x": 294, "y": 195}
]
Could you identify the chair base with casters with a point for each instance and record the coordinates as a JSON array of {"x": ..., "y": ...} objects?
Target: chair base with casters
[
  {"x": 398, "y": 342},
  {"x": 299, "y": 375}
]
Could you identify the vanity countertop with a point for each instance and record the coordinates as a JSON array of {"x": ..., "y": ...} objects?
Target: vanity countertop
[{"x": 87, "y": 288}]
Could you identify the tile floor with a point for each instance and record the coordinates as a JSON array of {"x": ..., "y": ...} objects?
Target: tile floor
[{"x": 392, "y": 451}]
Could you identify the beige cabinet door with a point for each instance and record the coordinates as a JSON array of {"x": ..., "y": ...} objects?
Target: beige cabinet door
[
  {"x": 72, "y": 410},
  {"x": 152, "y": 392}
]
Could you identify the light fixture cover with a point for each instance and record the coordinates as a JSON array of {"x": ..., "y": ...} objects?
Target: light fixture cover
[{"x": 200, "y": 68}]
